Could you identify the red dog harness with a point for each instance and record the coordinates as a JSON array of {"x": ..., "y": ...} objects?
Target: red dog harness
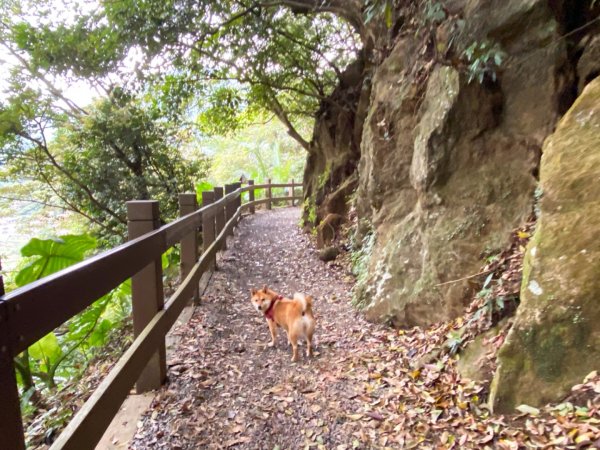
[{"x": 269, "y": 311}]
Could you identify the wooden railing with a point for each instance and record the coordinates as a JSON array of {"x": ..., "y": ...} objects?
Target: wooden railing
[{"x": 29, "y": 313}]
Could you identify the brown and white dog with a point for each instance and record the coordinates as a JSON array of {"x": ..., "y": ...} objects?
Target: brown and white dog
[{"x": 293, "y": 315}]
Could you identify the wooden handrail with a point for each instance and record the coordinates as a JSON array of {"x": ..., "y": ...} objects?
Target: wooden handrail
[
  {"x": 89, "y": 423},
  {"x": 29, "y": 313},
  {"x": 41, "y": 306},
  {"x": 274, "y": 185}
]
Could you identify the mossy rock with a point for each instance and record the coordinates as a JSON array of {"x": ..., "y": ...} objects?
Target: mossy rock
[
  {"x": 555, "y": 341},
  {"x": 328, "y": 253},
  {"x": 472, "y": 362}
]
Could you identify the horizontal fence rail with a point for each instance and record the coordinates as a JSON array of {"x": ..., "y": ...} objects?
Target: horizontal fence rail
[{"x": 29, "y": 313}]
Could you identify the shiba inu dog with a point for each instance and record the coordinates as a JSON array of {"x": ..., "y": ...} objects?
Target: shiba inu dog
[{"x": 293, "y": 315}]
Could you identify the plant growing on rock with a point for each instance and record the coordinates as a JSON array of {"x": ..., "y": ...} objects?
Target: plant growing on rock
[
  {"x": 484, "y": 60},
  {"x": 360, "y": 257}
]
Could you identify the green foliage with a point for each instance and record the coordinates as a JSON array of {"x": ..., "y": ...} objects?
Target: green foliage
[
  {"x": 379, "y": 8},
  {"x": 204, "y": 186},
  {"x": 244, "y": 64},
  {"x": 119, "y": 151},
  {"x": 258, "y": 152},
  {"x": 170, "y": 264},
  {"x": 494, "y": 307},
  {"x": 47, "y": 351},
  {"x": 324, "y": 177},
  {"x": 310, "y": 213},
  {"x": 62, "y": 354},
  {"x": 235, "y": 58},
  {"x": 226, "y": 111},
  {"x": 88, "y": 48},
  {"x": 484, "y": 60},
  {"x": 434, "y": 12},
  {"x": 47, "y": 256},
  {"x": 454, "y": 341}
]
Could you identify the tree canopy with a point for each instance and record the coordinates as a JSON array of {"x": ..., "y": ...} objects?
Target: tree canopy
[{"x": 163, "y": 73}]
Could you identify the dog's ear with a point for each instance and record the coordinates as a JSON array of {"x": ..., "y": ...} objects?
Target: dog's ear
[
  {"x": 253, "y": 291},
  {"x": 265, "y": 288}
]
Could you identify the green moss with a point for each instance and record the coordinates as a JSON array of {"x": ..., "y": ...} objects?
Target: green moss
[
  {"x": 309, "y": 216},
  {"x": 426, "y": 282},
  {"x": 548, "y": 347},
  {"x": 547, "y": 351},
  {"x": 472, "y": 221},
  {"x": 361, "y": 257},
  {"x": 324, "y": 177}
]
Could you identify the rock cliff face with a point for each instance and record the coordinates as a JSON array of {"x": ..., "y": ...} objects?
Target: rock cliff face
[
  {"x": 449, "y": 167},
  {"x": 555, "y": 340},
  {"x": 438, "y": 169}
]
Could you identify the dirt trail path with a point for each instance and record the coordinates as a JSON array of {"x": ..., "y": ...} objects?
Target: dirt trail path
[
  {"x": 368, "y": 386},
  {"x": 226, "y": 388}
]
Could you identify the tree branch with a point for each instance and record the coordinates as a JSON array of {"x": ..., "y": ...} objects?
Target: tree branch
[
  {"x": 291, "y": 38},
  {"x": 282, "y": 116},
  {"x": 30, "y": 200},
  {"x": 350, "y": 10},
  {"x": 42, "y": 145},
  {"x": 71, "y": 206},
  {"x": 75, "y": 109}
]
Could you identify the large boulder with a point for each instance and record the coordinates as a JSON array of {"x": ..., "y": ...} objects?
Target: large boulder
[
  {"x": 448, "y": 167},
  {"x": 555, "y": 341}
]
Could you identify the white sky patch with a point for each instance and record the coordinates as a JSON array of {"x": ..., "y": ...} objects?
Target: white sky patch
[{"x": 78, "y": 90}]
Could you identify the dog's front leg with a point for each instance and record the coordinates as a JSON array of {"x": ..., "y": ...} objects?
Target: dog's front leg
[{"x": 273, "y": 330}]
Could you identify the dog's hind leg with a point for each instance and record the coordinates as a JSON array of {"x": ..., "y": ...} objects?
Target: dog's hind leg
[
  {"x": 294, "y": 341},
  {"x": 309, "y": 336},
  {"x": 309, "y": 324}
]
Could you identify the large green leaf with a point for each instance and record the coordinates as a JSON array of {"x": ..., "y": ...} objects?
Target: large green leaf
[
  {"x": 51, "y": 255},
  {"x": 82, "y": 323},
  {"x": 46, "y": 350}
]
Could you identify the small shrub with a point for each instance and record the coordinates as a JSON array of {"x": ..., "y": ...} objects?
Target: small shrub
[{"x": 484, "y": 59}]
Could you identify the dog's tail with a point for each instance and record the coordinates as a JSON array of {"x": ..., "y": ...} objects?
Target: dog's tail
[{"x": 306, "y": 302}]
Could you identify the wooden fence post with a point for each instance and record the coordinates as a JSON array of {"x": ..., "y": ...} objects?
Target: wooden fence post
[
  {"x": 238, "y": 201},
  {"x": 269, "y": 195},
  {"x": 208, "y": 224},
  {"x": 11, "y": 424},
  {"x": 189, "y": 244},
  {"x": 251, "y": 195},
  {"x": 292, "y": 192},
  {"x": 230, "y": 205},
  {"x": 2, "y": 292},
  {"x": 147, "y": 291},
  {"x": 220, "y": 216}
]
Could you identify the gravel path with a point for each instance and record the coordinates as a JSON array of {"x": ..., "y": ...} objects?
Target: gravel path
[{"x": 226, "y": 388}]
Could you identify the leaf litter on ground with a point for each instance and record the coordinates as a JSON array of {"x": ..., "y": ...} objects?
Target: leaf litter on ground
[{"x": 370, "y": 386}]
